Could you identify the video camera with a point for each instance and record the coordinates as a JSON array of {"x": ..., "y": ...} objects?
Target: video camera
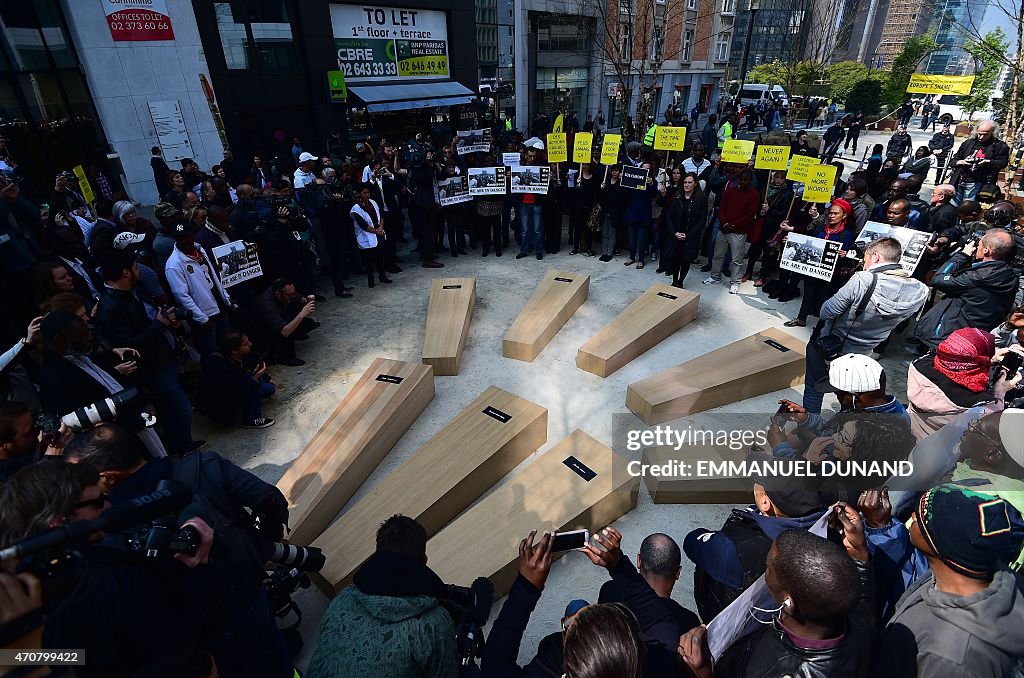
[{"x": 99, "y": 412}]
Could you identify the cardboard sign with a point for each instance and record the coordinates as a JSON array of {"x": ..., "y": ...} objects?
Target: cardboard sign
[
  {"x": 635, "y": 177},
  {"x": 237, "y": 262},
  {"x": 473, "y": 141},
  {"x": 799, "y": 167},
  {"x": 772, "y": 157},
  {"x": 820, "y": 183},
  {"x": 530, "y": 179},
  {"x": 487, "y": 180},
  {"x": 669, "y": 138},
  {"x": 610, "y": 149},
  {"x": 453, "y": 190},
  {"x": 582, "y": 147},
  {"x": 913, "y": 242},
  {"x": 737, "y": 151},
  {"x": 84, "y": 187},
  {"x": 511, "y": 159},
  {"x": 814, "y": 257},
  {"x": 558, "y": 150}
]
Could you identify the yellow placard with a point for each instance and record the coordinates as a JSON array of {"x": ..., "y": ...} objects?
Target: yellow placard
[
  {"x": 772, "y": 157},
  {"x": 669, "y": 138},
  {"x": 940, "y": 84},
  {"x": 799, "y": 166},
  {"x": 610, "y": 149},
  {"x": 737, "y": 151},
  {"x": 559, "y": 124},
  {"x": 582, "y": 147},
  {"x": 820, "y": 182},
  {"x": 558, "y": 150},
  {"x": 84, "y": 186}
]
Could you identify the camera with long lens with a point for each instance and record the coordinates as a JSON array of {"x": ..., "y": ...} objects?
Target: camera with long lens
[
  {"x": 180, "y": 313},
  {"x": 118, "y": 407},
  {"x": 282, "y": 582},
  {"x": 305, "y": 558},
  {"x": 470, "y": 608}
]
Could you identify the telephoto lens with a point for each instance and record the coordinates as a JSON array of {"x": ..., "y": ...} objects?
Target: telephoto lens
[{"x": 306, "y": 558}]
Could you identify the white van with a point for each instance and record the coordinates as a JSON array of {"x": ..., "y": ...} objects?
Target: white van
[
  {"x": 950, "y": 110},
  {"x": 752, "y": 93}
]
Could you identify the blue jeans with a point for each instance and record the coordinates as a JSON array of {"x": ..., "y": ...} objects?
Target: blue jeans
[
  {"x": 253, "y": 409},
  {"x": 816, "y": 368},
  {"x": 530, "y": 221},
  {"x": 966, "y": 190},
  {"x": 175, "y": 410},
  {"x": 637, "y": 239}
]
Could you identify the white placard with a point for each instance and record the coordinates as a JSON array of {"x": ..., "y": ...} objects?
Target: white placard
[
  {"x": 511, "y": 159},
  {"x": 452, "y": 191},
  {"x": 487, "y": 180},
  {"x": 530, "y": 179},
  {"x": 171, "y": 133},
  {"x": 814, "y": 257},
  {"x": 237, "y": 262},
  {"x": 913, "y": 242}
]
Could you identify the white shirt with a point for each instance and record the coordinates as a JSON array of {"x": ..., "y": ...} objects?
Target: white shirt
[
  {"x": 301, "y": 179},
  {"x": 360, "y": 218},
  {"x": 690, "y": 166}
]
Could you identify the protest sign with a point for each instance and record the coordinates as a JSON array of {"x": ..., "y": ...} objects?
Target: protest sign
[
  {"x": 814, "y": 257},
  {"x": 557, "y": 147},
  {"x": 237, "y": 262},
  {"x": 610, "y": 149},
  {"x": 487, "y": 180},
  {"x": 473, "y": 141},
  {"x": 819, "y": 184},
  {"x": 530, "y": 179},
  {"x": 634, "y": 177},
  {"x": 772, "y": 157},
  {"x": 582, "y": 145},
  {"x": 669, "y": 138},
  {"x": 737, "y": 151}
]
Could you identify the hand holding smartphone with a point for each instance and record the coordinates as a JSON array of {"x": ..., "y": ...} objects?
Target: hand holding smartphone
[{"x": 570, "y": 541}]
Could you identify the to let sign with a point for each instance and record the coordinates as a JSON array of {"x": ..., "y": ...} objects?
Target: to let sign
[{"x": 138, "y": 20}]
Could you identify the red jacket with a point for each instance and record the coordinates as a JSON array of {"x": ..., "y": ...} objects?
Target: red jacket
[{"x": 739, "y": 207}]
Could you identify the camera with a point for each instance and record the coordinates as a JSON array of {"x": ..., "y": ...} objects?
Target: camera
[
  {"x": 10, "y": 178},
  {"x": 161, "y": 541},
  {"x": 306, "y": 558},
  {"x": 179, "y": 313},
  {"x": 470, "y": 608},
  {"x": 101, "y": 411}
]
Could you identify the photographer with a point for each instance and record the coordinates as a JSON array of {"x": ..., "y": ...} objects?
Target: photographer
[
  {"x": 120, "y": 611},
  {"x": 282, "y": 316},
  {"x": 227, "y": 387},
  {"x": 979, "y": 288},
  {"x": 423, "y": 208},
  {"x": 978, "y": 161},
  {"x": 390, "y": 623},
  {"x": 70, "y": 379},
  {"x": 122, "y": 320},
  {"x": 21, "y": 441},
  {"x": 332, "y": 207},
  {"x": 229, "y": 594},
  {"x": 384, "y": 191}
]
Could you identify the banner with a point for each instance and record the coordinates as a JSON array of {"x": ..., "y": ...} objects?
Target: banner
[
  {"x": 821, "y": 180},
  {"x": 634, "y": 177},
  {"x": 237, "y": 262},
  {"x": 487, "y": 180},
  {"x": 940, "y": 84},
  {"x": 510, "y": 159},
  {"x": 814, "y": 257},
  {"x": 737, "y": 151},
  {"x": 582, "y": 147},
  {"x": 799, "y": 166},
  {"x": 558, "y": 147},
  {"x": 913, "y": 242},
  {"x": 453, "y": 190},
  {"x": 389, "y": 43},
  {"x": 669, "y": 138},
  {"x": 530, "y": 179},
  {"x": 610, "y": 149},
  {"x": 473, "y": 141},
  {"x": 772, "y": 157},
  {"x": 138, "y": 20}
]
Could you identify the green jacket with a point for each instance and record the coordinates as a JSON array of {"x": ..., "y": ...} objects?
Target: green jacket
[{"x": 367, "y": 636}]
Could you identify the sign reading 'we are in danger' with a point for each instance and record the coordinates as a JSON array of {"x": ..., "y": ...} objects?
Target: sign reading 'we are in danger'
[{"x": 138, "y": 20}]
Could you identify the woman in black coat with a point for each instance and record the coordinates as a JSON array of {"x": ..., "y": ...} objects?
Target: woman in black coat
[
  {"x": 664, "y": 239},
  {"x": 685, "y": 216}
]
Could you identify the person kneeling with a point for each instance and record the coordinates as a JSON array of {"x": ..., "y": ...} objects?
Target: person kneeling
[{"x": 227, "y": 387}]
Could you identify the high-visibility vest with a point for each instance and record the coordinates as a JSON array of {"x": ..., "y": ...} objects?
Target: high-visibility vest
[{"x": 649, "y": 137}]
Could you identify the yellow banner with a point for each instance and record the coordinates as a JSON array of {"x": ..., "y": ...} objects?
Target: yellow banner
[
  {"x": 669, "y": 138},
  {"x": 558, "y": 125},
  {"x": 800, "y": 166},
  {"x": 582, "y": 144},
  {"x": 820, "y": 182},
  {"x": 558, "y": 150},
  {"x": 772, "y": 157},
  {"x": 610, "y": 149},
  {"x": 84, "y": 187},
  {"x": 940, "y": 84},
  {"x": 737, "y": 151}
]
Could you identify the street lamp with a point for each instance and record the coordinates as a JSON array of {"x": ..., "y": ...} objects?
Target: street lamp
[{"x": 755, "y": 5}]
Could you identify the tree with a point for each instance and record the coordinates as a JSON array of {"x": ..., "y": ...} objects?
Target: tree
[
  {"x": 866, "y": 96},
  {"x": 987, "y": 55},
  {"x": 904, "y": 65},
  {"x": 843, "y": 76}
]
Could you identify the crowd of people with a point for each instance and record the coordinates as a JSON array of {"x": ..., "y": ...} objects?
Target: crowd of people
[{"x": 121, "y": 328}]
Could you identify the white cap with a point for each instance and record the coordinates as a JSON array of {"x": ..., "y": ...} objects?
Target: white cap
[
  {"x": 854, "y": 373},
  {"x": 1011, "y": 433},
  {"x": 534, "y": 142},
  {"x": 123, "y": 241},
  {"x": 306, "y": 157}
]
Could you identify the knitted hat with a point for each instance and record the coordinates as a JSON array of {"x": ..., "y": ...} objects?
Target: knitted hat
[
  {"x": 965, "y": 357},
  {"x": 971, "y": 532},
  {"x": 1011, "y": 433}
]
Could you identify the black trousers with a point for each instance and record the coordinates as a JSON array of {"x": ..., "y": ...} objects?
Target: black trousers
[
  {"x": 489, "y": 229},
  {"x": 373, "y": 256},
  {"x": 424, "y": 225}
]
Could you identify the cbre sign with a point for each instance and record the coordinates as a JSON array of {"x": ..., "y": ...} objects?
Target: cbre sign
[{"x": 138, "y": 20}]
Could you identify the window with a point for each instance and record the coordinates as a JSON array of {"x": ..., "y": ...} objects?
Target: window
[
  {"x": 656, "y": 44},
  {"x": 255, "y": 34},
  {"x": 560, "y": 33},
  {"x": 722, "y": 47},
  {"x": 684, "y": 53},
  {"x": 625, "y": 6},
  {"x": 625, "y": 42},
  {"x": 691, "y": 4},
  {"x": 34, "y": 37},
  {"x": 728, "y": 6}
]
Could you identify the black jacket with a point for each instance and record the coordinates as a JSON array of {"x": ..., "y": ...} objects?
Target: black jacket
[
  {"x": 64, "y": 387},
  {"x": 899, "y": 146},
  {"x": 769, "y": 652},
  {"x": 690, "y": 221},
  {"x": 223, "y": 389},
  {"x": 941, "y": 142},
  {"x": 978, "y": 294},
  {"x": 942, "y": 218},
  {"x": 122, "y": 321},
  {"x": 995, "y": 151}
]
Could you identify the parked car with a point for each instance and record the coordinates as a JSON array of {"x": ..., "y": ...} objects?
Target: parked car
[{"x": 753, "y": 93}]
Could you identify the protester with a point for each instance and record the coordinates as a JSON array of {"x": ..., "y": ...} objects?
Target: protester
[
  {"x": 739, "y": 209},
  {"x": 978, "y": 161},
  {"x": 230, "y": 388}
]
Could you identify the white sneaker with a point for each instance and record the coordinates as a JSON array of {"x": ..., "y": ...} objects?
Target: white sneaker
[
  {"x": 734, "y": 288},
  {"x": 710, "y": 280}
]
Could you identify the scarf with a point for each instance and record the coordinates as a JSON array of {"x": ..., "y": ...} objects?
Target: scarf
[{"x": 965, "y": 357}]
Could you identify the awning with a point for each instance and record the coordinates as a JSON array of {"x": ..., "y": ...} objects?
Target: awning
[{"x": 379, "y": 98}]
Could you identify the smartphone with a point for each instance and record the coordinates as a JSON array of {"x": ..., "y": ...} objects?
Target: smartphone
[
  {"x": 570, "y": 541},
  {"x": 1011, "y": 363}
]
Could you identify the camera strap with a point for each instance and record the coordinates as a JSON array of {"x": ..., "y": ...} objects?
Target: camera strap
[{"x": 862, "y": 306}]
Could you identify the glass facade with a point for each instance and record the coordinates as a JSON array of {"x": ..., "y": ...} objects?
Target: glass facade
[
  {"x": 950, "y": 15},
  {"x": 46, "y": 112},
  {"x": 563, "y": 89},
  {"x": 780, "y": 32},
  {"x": 255, "y": 34}
]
